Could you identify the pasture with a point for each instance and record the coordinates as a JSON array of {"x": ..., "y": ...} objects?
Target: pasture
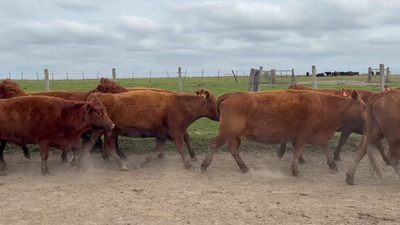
[{"x": 164, "y": 192}]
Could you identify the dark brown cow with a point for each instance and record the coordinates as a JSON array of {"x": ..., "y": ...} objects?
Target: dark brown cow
[
  {"x": 300, "y": 117},
  {"x": 10, "y": 89},
  {"x": 50, "y": 122},
  {"x": 383, "y": 121},
  {"x": 355, "y": 125},
  {"x": 108, "y": 86},
  {"x": 150, "y": 114}
]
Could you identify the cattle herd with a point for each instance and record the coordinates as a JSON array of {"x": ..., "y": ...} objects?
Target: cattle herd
[{"x": 75, "y": 121}]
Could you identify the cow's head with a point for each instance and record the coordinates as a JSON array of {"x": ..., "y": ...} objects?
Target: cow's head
[
  {"x": 109, "y": 86},
  {"x": 96, "y": 114},
  {"x": 387, "y": 88},
  {"x": 298, "y": 87},
  {"x": 10, "y": 89},
  {"x": 209, "y": 109},
  {"x": 358, "y": 106}
]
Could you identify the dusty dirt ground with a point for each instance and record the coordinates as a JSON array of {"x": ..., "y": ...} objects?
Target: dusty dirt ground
[{"x": 164, "y": 192}]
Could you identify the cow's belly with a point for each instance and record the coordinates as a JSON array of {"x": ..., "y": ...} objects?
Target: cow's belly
[
  {"x": 320, "y": 138},
  {"x": 144, "y": 134}
]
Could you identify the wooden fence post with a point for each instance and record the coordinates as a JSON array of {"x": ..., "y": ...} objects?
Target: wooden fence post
[
  {"x": 46, "y": 79},
  {"x": 37, "y": 76},
  {"x": 369, "y": 74},
  {"x": 133, "y": 76},
  {"x": 114, "y": 74},
  {"x": 67, "y": 75},
  {"x": 314, "y": 76},
  {"x": 382, "y": 71},
  {"x": 387, "y": 75},
  {"x": 52, "y": 76},
  {"x": 255, "y": 80},
  {"x": 202, "y": 75},
  {"x": 83, "y": 77},
  {"x": 273, "y": 76},
  {"x": 293, "y": 77},
  {"x": 22, "y": 76},
  {"x": 218, "y": 75},
  {"x": 9, "y": 75},
  {"x": 180, "y": 79},
  {"x": 150, "y": 78}
]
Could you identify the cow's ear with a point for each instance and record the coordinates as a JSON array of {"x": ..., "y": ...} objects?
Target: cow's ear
[
  {"x": 344, "y": 93},
  {"x": 206, "y": 95},
  {"x": 354, "y": 95},
  {"x": 88, "y": 107},
  {"x": 387, "y": 88}
]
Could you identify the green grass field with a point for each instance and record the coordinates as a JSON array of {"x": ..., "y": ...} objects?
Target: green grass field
[{"x": 203, "y": 130}]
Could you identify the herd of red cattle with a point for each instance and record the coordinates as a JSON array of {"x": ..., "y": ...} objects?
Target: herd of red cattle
[{"x": 75, "y": 121}]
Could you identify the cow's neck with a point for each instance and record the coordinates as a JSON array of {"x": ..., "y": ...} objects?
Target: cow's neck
[
  {"x": 192, "y": 107},
  {"x": 338, "y": 110},
  {"x": 77, "y": 122}
]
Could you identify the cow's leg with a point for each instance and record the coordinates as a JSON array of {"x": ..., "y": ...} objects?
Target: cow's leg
[
  {"x": 217, "y": 142},
  {"x": 97, "y": 146},
  {"x": 87, "y": 144},
  {"x": 188, "y": 141},
  {"x": 233, "y": 147},
  {"x": 329, "y": 157},
  {"x": 159, "y": 148},
  {"x": 282, "y": 151},
  {"x": 298, "y": 149},
  {"x": 394, "y": 157},
  {"x": 44, "y": 155},
  {"x": 74, "y": 161},
  {"x": 25, "y": 149},
  {"x": 3, "y": 164},
  {"x": 119, "y": 150},
  {"x": 344, "y": 136},
  {"x": 362, "y": 150},
  {"x": 381, "y": 148},
  {"x": 178, "y": 139},
  {"x": 64, "y": 156},
  {"x": 109, "y": 146}
]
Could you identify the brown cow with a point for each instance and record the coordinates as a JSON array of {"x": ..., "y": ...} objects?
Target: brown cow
[
  {"x": 355, "y": 125},
  {"x": 108, "y": 86},
  {"x": 11, "y": 89},
  {"x": 150, "y": 114},
  {"x": 300, "y": 117},
  {"x": 383, "y": 113},
  {"x": 50, "y": 122}
]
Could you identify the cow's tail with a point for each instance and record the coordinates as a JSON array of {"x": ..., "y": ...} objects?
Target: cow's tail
[
  {"x": 220, "y": 100},
  {"x": 368, "y": 133}
]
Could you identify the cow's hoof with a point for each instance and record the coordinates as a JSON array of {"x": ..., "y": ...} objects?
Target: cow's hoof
[
  {"x": 161, "y": 156},
  {"x": 349, "y": 179},
  {"x": 245, "y": 169},
  {"x": 45, "y": 173},
  {"x": 203, "y": 168},
  {"x": 188, "y": 166},
  {"x": 333, "y": 167},
  {"x": 387, "y": 161},
  {"x": 280, "y": 155},
  {"x": 28, "y": 156},
  {"x": 296, "y": 173},
  {"x": 79, "y": 170},
  {"x": 193, "y": 159},
  {"x": 124, "y": 168},
  {"x": 3, "y": 172},
  {"x": 72, "y": 164},
  {"x": 302, "y": 161},
  {"x": 337, "y": 158}
]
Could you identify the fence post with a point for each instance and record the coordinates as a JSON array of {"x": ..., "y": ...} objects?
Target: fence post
[
  {"x": 67, "y": 75},
  {"x": 9, "y": 75},
  {"x": 22, "y": 76},
  {"x": 314, "y": 76},
  {"x": 133, "y": 75},
  {"x": 273, "y": 76},
  {"x": 293, "y": 77},
  {"x": 258, "y": 87},
  {"x": 46, "y": 79},
  {"x": 218, "y": 75},
  {"x": 202, "y": 75},
  {"x": 37, "y": 76},
  {"x": 369, "y": 74},
  {"x": 114, "y": 74},
  {"x": 382, "y": 71},
  {"x": 387, "y": 75},
  {"x": 83, "y": 77},
  {"x": 52, "y": 76},
  {"x": 180, "y": 79},
  {"x": 150, "y": 78}
]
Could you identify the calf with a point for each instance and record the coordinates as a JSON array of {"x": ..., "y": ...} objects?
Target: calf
[
  {"x": 50, "y": 122},
  {"x": 383, "y": 120},
  {"x": 300, "y": 117},
  {"x": 108, "y": 86},
  {"x": 149, "y": 114},
  {"x": 355, "y": 125}
]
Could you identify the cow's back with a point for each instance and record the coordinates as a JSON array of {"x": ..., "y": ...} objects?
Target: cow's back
[{"x": 67, "y": 95}]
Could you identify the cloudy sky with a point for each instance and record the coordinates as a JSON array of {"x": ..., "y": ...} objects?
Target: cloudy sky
[{"x": 94, "y": 35}]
